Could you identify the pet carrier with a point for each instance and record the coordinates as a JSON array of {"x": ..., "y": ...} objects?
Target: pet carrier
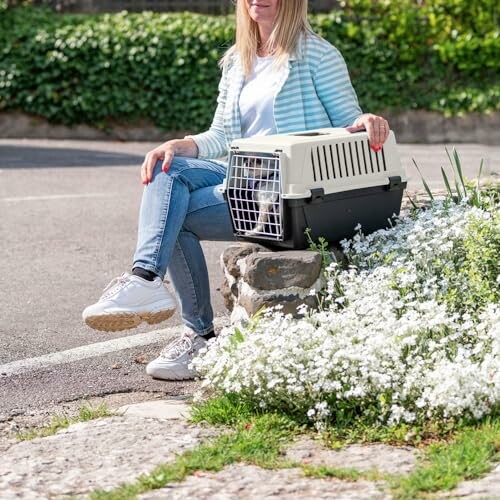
[{"x": 327, "y": 180}]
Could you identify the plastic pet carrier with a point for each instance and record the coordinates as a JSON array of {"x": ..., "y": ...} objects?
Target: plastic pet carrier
[{"x": 327, "y": 180}]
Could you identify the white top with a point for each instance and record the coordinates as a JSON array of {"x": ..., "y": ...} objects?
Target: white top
[{"x": 257, "y": 98}]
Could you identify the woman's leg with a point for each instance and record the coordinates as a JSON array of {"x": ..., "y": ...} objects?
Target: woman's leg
[
  {"x": 131, "y": 299},
  {"x": 207, "y": 219},
  {"x": 164, "y": 208}
]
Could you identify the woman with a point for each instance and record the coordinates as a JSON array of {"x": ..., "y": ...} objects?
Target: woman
[{"x": 279, "y": 77}]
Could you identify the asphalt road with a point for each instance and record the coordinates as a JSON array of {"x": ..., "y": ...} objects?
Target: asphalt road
[{"x": 68, "y": 215}]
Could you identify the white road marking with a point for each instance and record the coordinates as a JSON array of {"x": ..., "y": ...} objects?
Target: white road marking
[
  {"x": 58, "y": 197},
  {"x": 97, "y": 349},
  {"x": 88, "y": 351}
]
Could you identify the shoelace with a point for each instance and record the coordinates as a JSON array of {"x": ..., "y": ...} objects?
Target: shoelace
[
  {"x": 114, "y": 285},
  {"x": 177, "y": 348}
]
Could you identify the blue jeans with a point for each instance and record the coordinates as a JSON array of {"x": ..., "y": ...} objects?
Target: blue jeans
[{"x": 179, "y": 208}]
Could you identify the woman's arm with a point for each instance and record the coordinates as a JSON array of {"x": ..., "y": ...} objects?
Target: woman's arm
[
  {"x": 166, "y": 152},
  {"x": 212, "y": 143},
  {"x": 335, "y": 90},
  {"x": 376, "y": 127},
  {"x": 209, "y": 144}
]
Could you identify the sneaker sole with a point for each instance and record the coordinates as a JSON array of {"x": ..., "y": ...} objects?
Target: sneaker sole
[
  {"x": 126, "y": 321},
  {"x": 173, "y": 378}
]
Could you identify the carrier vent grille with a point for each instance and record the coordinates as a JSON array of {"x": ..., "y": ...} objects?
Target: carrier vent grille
[
  {"x": 254, "y": 196},
  {"x": 348, "y": 159}
]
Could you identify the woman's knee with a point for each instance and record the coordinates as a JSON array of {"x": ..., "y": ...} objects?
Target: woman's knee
[{"x": 177, "y": 165}]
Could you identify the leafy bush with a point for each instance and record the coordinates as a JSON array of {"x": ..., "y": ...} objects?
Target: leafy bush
[{"x": 443, "y": 55}]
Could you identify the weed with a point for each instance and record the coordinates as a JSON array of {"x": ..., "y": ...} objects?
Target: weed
[{"x": 60, "y": 422}]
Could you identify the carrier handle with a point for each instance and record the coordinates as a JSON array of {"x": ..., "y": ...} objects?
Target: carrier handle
[
  {"x": 317, "y": 195},
  {"x": 394, "y": 183}
]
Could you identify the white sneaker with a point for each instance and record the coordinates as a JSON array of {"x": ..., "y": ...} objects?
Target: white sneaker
[
  {"x": 174, "y": 360},
  {"x": 128, "y": 301}
]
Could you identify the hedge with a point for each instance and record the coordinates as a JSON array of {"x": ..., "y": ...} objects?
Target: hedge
[{"x": 443, "y": 56}]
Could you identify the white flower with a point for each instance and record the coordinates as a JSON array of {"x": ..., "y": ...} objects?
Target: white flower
[{"x": 389, "y": 337}]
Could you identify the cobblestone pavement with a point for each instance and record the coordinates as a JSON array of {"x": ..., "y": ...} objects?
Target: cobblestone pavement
[
  {"x": 98, "y": 454},
  {"x": 379, "y": 457},
  {"x": 104, "y": 453},
  {"x": 487, "y": 487},
  {"x": 250, "y": 482}
]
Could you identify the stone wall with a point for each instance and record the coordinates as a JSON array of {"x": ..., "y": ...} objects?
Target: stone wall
[
  {"x": 421, "y": 127},
  {"x": 255, "y": 276}
]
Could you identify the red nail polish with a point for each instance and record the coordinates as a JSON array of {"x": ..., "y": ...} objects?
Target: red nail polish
[
  {"x": 145, "y": 182},
  {"x": 378, "y": 149}
]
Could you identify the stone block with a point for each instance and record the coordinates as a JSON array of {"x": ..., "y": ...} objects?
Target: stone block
[
  {"x": 283, "y": 269},
  {"x": 289, "y": 303},
  {"x": 238, "y": 251}
]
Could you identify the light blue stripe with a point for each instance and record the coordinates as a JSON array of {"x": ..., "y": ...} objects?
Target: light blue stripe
[{"x": 317, "y": 87}]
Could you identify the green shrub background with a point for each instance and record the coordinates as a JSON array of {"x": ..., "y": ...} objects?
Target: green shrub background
[{"x": 443, "y": 55}]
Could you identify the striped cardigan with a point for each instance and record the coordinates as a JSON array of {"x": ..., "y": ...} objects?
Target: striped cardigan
[{"x": 315, "y": 92}]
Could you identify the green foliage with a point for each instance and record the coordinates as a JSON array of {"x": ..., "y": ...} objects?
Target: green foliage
[
  {"x": 468, "y": 456},
  {"x": 476, "y": 267},
  {"x": 442, "y": 55},
  {"x": 403, "y": 54},
  {"x": 321, "y": 247},
  {"x": 88, "y": 69},
  {"x": 227, "y": 409},
  {"x": 473, "y": 274},
  {"x": 59, "y": 422},
  {"x": 344, "y": 474}
]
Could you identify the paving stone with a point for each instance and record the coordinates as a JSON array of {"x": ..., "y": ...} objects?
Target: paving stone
[
  {"x": 488, "y": 487},
  {"x": 163, "y": 409},
  {"x": 249, "y": 482},
  {"x": 92, "y": 455},
  {"x": 384, "y": 458}
]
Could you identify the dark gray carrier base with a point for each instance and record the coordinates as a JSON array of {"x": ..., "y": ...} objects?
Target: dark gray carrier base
[{"x": 334, "y": 216}]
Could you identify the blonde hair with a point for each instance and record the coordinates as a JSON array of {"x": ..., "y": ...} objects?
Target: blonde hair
[{"x": 291, "y": 23}]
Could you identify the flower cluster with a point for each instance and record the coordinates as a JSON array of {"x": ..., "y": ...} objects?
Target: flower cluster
[{"x": 387, "y": 344}]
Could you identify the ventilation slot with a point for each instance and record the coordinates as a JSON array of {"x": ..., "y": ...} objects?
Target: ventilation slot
[{"x": 349, "y": 159}]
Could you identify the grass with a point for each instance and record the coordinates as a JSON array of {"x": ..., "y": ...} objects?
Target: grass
[
  {"x": 59, "y": 422},
  {"x": 259, "y": 438},
  {"x": 258, "y": 441},
  {"x": 344, "y": 474},
  {"x": 398, "y": 435},
  {"x": 468, "y": 456},
  {"x": 223, "y": 410}
]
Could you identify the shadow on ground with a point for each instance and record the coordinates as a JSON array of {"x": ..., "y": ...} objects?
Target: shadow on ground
[{"x": 37, "y": 157}]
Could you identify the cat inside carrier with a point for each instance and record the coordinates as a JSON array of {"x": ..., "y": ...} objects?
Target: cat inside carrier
[{"x": 325, "y": 180}]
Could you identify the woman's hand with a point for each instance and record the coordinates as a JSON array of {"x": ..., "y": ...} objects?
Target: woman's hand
[
  {"x": 376, "y": 127},
  {"x": 166, "y": 152}
]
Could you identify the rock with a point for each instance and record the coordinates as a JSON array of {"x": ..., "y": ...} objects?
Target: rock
[
  {"x": 289, "y": 303},
  {"x": 256, "y": 276},
  {"x": 237, "y": 251},
  {"x": 284, "y": 269},
  {"x": 228, "y": 294}
]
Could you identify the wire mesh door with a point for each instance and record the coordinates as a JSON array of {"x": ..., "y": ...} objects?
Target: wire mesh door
[{"x": 254, "y": 195}]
